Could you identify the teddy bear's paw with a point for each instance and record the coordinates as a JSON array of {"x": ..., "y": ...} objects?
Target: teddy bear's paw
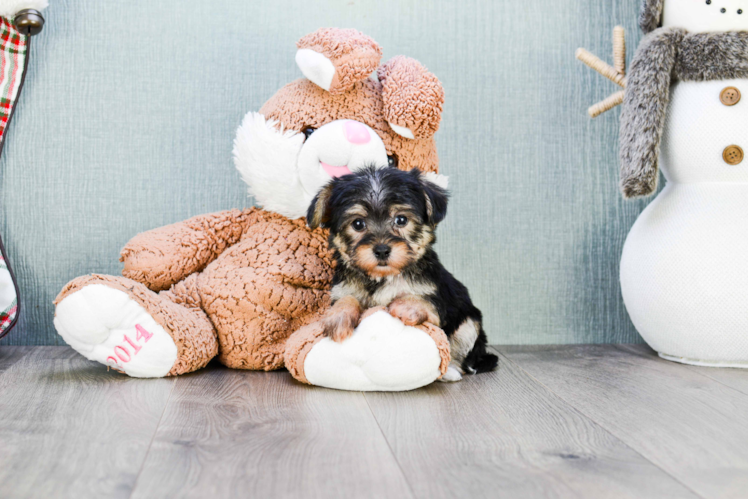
[
  {"x": 382, "y": 355},
  {"x": 109, "y": 326}
]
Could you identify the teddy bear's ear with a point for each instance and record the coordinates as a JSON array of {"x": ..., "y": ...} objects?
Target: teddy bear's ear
[
  {"x": 413, "y": 98},
  {"x": 335, "y": 58}
]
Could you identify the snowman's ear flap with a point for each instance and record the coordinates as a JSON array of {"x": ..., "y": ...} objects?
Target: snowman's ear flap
[
  {"x": 335, "y": 59},
  {"x": 650, "y": 15},
  {"x": 413, "y": 98}
]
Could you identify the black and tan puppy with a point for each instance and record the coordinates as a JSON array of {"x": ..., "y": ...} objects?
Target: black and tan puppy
[{"x": 382, "y": 224}]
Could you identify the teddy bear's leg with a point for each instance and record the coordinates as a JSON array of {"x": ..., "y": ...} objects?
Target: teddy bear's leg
[
  {"x": 124, "y": 325},
  {"x": 259, "y": 342},
  {"x": 254, "y": 314}
]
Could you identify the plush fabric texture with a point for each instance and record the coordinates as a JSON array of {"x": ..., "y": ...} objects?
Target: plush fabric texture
[
  {"x": 242, "y": 281},
  {"x": 413, "y": 97},
  {"x": 383, "y": 355},
  {"x": 162, "y": 257},
  {"x": 354, "y": 55},
  {"x": 264, "y": 142},
  {"x": 665, "y": 55},
  {"x": 702, "y": 57},
  {"x": 189, "y": 327},
  {"x": 314, "y": 107},
  {"x": 273, "y": 279},
  {"x": 650, "y": 15},
  {"x": 643, "y": 111},
  {"x": 107, "y": 325}
]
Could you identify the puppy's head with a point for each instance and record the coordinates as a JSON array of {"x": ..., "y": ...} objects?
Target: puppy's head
[{"x": 380, "y": 220}]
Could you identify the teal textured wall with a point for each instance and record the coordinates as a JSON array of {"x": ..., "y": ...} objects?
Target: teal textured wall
[{"x": 130, "y": 107}]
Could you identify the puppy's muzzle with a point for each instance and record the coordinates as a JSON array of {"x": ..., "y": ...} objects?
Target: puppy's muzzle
[{"x": 382, "y": 253}]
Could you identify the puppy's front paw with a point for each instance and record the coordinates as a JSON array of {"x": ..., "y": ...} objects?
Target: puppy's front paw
[
  {"x": 452, "y": 375},
  {"x": 341, "y": 320},
  {"x": 412, "y": 311}
]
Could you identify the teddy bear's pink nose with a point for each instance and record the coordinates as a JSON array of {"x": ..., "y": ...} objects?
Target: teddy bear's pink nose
[{"x": 356, "y": 132}]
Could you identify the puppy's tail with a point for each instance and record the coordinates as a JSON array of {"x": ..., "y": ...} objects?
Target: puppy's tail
[
  {"x": 479, "y": 360},
  {"x": 486, "y": 363}
]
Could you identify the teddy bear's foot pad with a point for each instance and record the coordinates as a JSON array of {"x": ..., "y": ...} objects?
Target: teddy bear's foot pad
[
  {"x": 382, "y": 355},
  {"x": 109, "y": 326}
]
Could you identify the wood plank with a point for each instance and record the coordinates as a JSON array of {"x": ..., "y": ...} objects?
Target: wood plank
[
  {"x": 10, "y": 355},
  {"x": 228, "y": 433},
  {"x": 736, "y": 378},
  {"x": 69, "y": 428},
  {"x": 691, "y": 426},
  {"x": 502, "y": 434}
]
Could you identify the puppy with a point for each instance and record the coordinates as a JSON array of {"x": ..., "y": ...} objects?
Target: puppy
[{"x": 382, "y": 224}]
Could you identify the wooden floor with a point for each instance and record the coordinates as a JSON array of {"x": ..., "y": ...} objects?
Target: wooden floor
[{"x": 571, "y": 421}]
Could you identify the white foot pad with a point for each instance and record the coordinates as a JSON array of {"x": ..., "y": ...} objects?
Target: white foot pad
[
  {"x": 106, "y": 325},
  {"x": 382, "y": 355}
]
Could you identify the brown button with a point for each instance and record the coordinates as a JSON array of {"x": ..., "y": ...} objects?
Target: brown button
[
  {"x": 733, "y": 155},
  {"x": 729, "y": 96}
]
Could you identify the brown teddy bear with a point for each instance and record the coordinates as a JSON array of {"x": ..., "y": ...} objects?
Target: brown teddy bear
[{"x": 238, "y": 283}]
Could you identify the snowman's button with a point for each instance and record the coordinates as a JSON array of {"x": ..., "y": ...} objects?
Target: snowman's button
[
  {"x": 733, "y": 155},
  {"x": 729, "y": 96}
]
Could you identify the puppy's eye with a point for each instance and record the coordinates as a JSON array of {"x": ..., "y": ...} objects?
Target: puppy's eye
[
  {"x": 308, "y": 131},
  {"x": 401, "y": 221},
  {"x": 359, "y": 224},
  {"x": 392, "y": 160}
]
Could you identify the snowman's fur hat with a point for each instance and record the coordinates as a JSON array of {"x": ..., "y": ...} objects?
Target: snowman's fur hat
[{"x": 650, "y": 15}]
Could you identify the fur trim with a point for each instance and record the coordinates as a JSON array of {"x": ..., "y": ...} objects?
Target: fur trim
[
  {"x": 9, "y": 8},
  {"x": 664, "y": 55},
  {"x": 266, "y": 156},
  {"x": 643, "y": 114},
  {"x": 650, "y": 15},
  {"x": 712, "y": 56}
]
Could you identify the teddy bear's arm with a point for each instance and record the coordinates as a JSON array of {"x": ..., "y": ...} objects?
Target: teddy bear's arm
[
  {"x": 161, "y": 257},
  {"x": 644, "y": 108}
]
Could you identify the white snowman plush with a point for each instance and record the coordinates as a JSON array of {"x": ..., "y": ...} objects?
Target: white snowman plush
[{"x": 684, "y": 268}]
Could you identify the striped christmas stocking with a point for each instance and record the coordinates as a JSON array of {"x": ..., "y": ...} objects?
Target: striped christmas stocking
[{"x": 14, "y": 51}]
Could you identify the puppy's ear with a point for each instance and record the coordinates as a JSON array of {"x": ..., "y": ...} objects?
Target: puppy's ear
[
  {"x": 319, "y": 211},
  {"x": 436, "y": 200}
]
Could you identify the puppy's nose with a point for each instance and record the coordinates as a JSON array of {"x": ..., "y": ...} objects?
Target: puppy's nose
[
  {"x": 356, "y": 132},
  {"x": 382, "y": 252}
]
